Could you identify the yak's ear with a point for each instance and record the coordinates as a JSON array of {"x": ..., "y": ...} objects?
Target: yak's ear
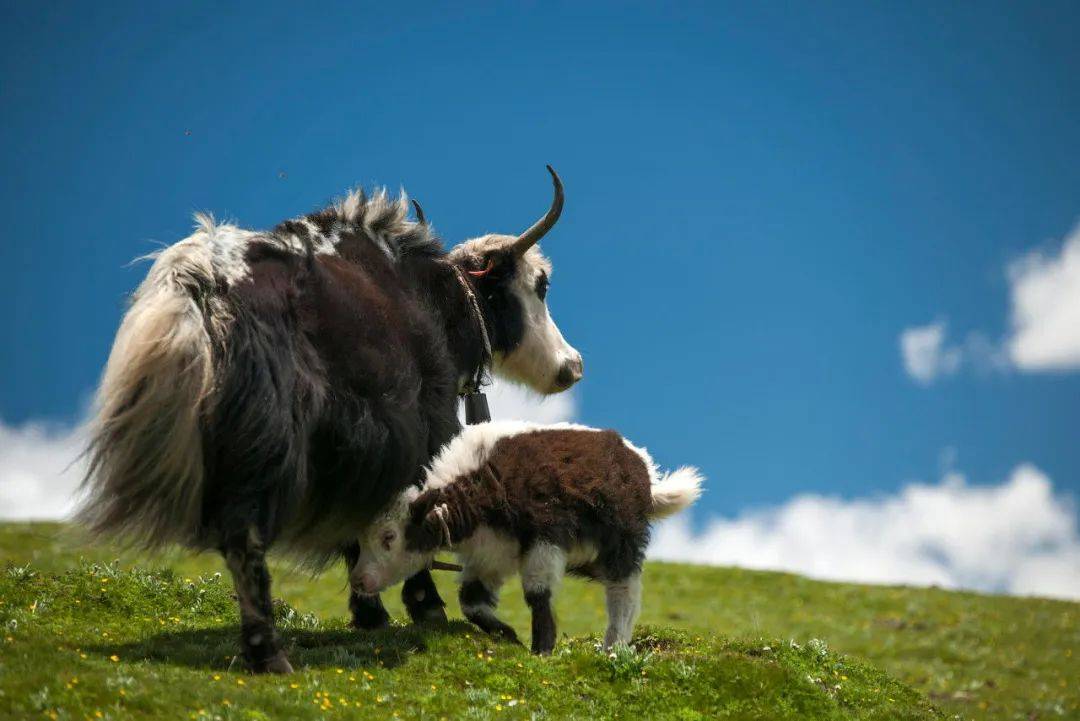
[
  {"x": 493, "y": 265},
  {"x": 488, "y": 266}
]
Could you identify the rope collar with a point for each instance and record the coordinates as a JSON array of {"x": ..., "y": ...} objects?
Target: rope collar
[
  {"x": 474, "y": 384},
  {"x": 442, "y": 512},
  {"x": 476, "y": 405}
]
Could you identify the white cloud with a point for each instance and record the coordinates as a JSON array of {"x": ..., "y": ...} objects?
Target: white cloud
[
  {"x": 1044, "y": 323},
  {"x": 1016, "y": 537},
  {"x": 1045, "y": 299},
  {"x": 40, "y": 464},
  {"x": 925, "y": 355},
  {"x": 40, "y": 468}
]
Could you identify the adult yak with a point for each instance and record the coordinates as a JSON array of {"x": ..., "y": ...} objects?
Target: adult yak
[{"x": 282, "y": 386}]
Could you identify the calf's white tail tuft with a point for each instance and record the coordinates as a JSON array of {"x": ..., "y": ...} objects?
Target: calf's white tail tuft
[{"x": 675, "y": 491}]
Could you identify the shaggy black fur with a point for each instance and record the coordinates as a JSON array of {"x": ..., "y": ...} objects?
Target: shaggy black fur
[
  {"x": 336, "y": 384},
  {"x": 283, "y": 397}
]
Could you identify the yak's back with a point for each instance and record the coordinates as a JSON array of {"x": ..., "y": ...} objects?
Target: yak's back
[{"x": 246, "y": 372}]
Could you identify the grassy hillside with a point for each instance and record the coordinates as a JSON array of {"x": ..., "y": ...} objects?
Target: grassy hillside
[{"x": 89, "y": 632}]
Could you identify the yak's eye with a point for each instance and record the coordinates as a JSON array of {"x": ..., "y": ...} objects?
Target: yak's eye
[
  {"x": 542, "y": 284},
  {"x": 388, "y": 539}
]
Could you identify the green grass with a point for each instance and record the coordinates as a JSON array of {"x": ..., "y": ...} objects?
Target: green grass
[{"x": 91, "y": 632}]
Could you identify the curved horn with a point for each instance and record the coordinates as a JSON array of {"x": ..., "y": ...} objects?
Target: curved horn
[
  {"x": 419, "y": 213},
  {"x": 530, "y": 237}
]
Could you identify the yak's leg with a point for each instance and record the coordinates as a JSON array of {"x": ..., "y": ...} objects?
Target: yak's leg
[
  {"x": 479, "y": 597},
  {"x": 623, "y": 605},
  {"x": 422, "y": 599},
  {"x": 368, "y": 612},
  {"x": 246, "y": 559},
  {"x": 541, "y": 572}
]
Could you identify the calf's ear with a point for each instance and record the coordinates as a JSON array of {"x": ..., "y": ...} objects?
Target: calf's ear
[
  {"x": 422, "y": 537},
  {"x": 424, "y": 530},
  {"x": 422, "y": 504}
]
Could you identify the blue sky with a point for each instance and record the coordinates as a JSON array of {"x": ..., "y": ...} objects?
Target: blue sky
[{"x": 760, "y": 199}]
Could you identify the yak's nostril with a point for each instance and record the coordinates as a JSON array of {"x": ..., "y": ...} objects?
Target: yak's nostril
[{"x": 570, "y": 373}]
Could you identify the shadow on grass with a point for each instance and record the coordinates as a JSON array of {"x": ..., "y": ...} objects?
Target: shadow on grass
[{"x": 217, "y": 648}]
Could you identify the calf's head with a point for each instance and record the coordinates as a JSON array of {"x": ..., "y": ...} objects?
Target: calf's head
[
  {"x": 513, "y": 276},
  {"x": 388, "y": 549}
]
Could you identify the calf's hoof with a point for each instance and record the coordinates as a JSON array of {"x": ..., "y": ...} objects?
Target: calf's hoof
[
  {"x": 507, "y": 634},
  {"x": 278, "y": 663}
]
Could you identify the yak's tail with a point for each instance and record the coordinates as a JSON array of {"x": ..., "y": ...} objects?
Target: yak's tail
[
  {"x": 675, "y": 491},
  {"x": 145, "y": 477}
]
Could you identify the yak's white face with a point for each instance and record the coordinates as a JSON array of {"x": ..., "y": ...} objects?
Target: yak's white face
[
  {"x": 535, "y": 352},
  {"x": 384, "y": 560}
]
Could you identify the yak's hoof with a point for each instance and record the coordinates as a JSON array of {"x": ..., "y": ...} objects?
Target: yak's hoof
[
  {"x": 370, "y": 618},
  {"x": 371, "y": 623},
  {"x": 368, "y": 613},
  {"x": 431, "y": 614},
  {"x": 278, "y": 663}
]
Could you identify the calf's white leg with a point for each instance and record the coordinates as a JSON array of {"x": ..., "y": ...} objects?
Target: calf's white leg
[{"x": 623, "y": 605}]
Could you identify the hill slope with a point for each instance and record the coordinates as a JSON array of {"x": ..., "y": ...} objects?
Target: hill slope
[{"x": 82, "y": 637}]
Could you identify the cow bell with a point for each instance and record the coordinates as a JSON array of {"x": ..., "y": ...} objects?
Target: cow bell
[{"x": 476, "y": 408}]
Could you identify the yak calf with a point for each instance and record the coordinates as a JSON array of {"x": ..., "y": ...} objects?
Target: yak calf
[{"x": 540, "y": 500}]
